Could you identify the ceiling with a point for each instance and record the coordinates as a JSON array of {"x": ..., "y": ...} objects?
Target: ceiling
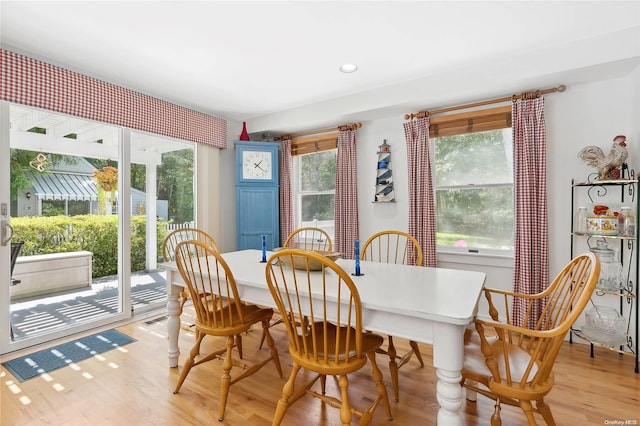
[{"x": 274, "y": 64}]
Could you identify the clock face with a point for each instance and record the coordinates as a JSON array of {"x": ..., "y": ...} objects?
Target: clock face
[{"x": 256, "y": 165}]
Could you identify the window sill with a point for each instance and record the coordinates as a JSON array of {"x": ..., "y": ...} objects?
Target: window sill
[{"x": 504, "y": 260}]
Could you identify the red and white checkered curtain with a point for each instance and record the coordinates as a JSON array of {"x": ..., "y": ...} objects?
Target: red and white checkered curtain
[
  {"x": 286, "y": 194},
  {"x": 422, "y": 207},
  {"x": 30, "y": 82},
  {"x": 346, "y": 200},
  {"x": 531, "y": 270}
]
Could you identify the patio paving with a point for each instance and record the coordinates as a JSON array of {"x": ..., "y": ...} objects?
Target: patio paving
[{"x": 33, "y": 316}]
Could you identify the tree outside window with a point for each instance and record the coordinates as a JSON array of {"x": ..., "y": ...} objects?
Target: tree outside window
[
  {"x": 315, "y": 191},
  {"x": 474, "y": 190}
]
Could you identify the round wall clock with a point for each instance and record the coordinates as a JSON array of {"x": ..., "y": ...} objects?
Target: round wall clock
[{"x": 257, "y": 164}]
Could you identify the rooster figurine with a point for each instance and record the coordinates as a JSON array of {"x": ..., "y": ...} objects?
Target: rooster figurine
[{"x": 607, "y": 165}]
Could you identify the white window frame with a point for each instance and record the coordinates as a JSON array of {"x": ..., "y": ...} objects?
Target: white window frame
[
  {"x": 493, "y": 252},
  {"x": 326, "y": 225}
]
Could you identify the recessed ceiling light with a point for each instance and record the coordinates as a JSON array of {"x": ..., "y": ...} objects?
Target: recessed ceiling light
[{"x": 348, "y": 68}]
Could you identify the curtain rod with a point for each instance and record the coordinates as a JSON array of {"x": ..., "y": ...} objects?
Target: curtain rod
[
  {"x": 513, "y": 98},
  {"x": 313, "y": 132}
]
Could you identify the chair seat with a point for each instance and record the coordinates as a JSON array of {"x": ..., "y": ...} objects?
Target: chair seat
[
  {"x": 233, "y": 324},
  {"x": 476, "y": 368}
]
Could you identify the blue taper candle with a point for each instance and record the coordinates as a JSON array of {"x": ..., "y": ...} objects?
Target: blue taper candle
[
  {"x": 264, "y": 248},
  {"x": 357, "y": 256}
]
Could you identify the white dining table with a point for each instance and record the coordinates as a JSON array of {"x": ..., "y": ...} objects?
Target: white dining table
[{"x": 428, "y": 305}]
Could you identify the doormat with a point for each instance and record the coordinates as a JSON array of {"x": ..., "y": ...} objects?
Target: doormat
[{"x": 48, "y": 360}]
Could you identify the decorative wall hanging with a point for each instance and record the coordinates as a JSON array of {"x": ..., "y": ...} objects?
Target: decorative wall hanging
[{"x": 384, "y": 176}]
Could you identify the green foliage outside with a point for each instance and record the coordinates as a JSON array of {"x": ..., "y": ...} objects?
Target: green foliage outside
[
  {"x": 474, "y": 189},
  {"x": 318, "y": 175},
  {"x": 175, "y": 183},
  {"x": 95, "y": 233}
]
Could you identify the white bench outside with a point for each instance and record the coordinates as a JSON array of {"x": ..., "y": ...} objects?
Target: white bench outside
[{"x": 49, "y": 273}]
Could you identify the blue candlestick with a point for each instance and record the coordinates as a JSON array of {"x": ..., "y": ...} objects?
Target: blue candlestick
[
  {"x": 264, "y": 248},
  {"x": 357, "y": 256}
]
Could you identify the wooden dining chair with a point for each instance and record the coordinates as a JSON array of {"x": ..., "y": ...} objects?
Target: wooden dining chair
[
  {"x": 168, "y": 253},
  {"x": 332, "y": 342},
  {"x": 219, "y": 312},
  {"x": 513, "y": 364},
  {"x": 307, "y": 238},
  {"x": 397, "y": 247}
]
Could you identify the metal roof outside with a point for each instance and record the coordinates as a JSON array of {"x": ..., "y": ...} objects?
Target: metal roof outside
[{"x": 64, "y": 186}]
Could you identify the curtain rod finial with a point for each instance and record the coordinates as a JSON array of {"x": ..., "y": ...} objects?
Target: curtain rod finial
[{"x": 561, "y": 88}]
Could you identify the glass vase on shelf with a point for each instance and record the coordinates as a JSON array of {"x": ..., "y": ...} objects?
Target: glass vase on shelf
[
  {"x": 627, "y": 222},
  {"x": 581, "y": 220},
  {"x": 611, "y": 276}
]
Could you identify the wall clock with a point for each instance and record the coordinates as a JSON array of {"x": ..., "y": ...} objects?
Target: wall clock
[
  {"x": 257, "y": 194},
  {"x": 257, "y": 164}
]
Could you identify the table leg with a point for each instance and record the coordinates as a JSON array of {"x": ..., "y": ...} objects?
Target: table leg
[
  {"x": 173, "y": 319},
  {"x": 448, "y": 354}
]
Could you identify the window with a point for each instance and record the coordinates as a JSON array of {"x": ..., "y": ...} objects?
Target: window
[
  {"x": 315, "y": 189},
  {"x": 474, "y": 184}
]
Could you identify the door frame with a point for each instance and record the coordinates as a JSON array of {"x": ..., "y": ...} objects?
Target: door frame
[{"x": 124, "y": 246}]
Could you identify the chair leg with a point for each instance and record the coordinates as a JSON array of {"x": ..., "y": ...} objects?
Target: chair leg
[
  {"x": 345, "y": 408},
  {"x": 287, "y": 391},
  {"x": 271, "y": 344},
  {"x": 239, "y": 345},
  {"x": 416, "y": 350},
  {"x": 528, "y": 411},
  {"x": 380, "y": 387},
  {"x": 495, "y": 418},
  {"x": 225, "y": 381},
  {"x": 393, "y": 369},
  {"x": 545, "y": 410},
  {"x": 195, "y": 350},
  {"x": 184, "y": 296},
  {"x": 262, "y": 339}
]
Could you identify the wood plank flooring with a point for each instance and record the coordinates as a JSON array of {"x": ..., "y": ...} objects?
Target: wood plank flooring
[{"x": 134, "y": 386}]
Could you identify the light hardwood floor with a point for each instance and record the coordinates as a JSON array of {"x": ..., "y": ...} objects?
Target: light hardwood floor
[{"x": 134, "y": 386}]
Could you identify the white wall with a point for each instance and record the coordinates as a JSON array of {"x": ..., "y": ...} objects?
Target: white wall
[{"x": 585, "y": 114}]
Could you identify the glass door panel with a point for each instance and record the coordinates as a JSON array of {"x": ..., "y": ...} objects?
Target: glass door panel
[
  {"x": 162, "y": 198},
  {"x": 63, "y": 209}
]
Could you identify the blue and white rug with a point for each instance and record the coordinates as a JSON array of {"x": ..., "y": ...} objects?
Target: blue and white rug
[{"x": 45, "y": 361}]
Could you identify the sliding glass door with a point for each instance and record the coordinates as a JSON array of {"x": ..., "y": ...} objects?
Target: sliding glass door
[{"x": 85, "y": 208}]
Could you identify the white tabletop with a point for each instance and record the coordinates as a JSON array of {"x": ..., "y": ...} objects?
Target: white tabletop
[{"x": 436, "y": 294}]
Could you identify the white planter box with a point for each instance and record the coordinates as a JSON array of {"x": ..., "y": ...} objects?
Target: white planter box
[{"x": 49, "y": 273}]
